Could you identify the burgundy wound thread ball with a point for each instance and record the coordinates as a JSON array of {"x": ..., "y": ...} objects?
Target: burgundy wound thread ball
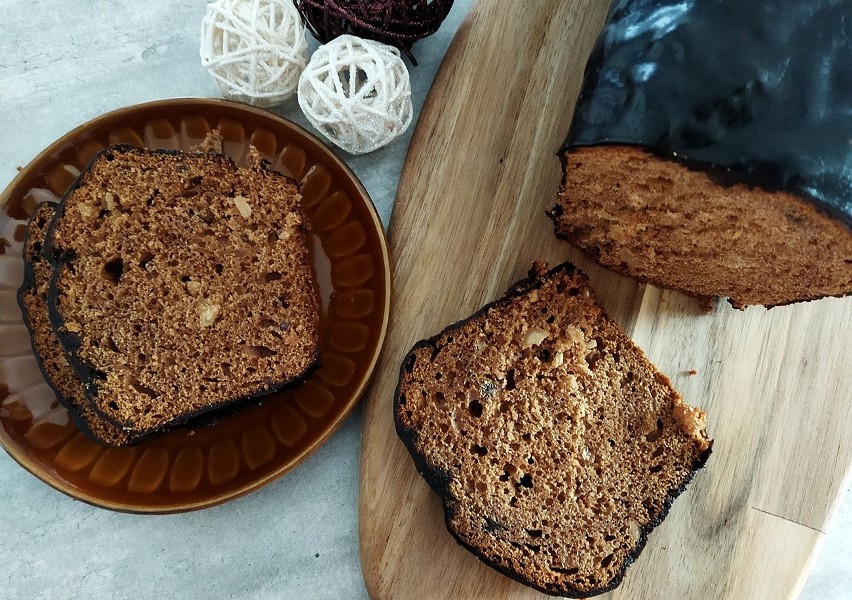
[{"x": 398, "y": 23}]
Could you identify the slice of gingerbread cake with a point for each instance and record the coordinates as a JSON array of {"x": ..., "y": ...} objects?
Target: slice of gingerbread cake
[
  {"x": 181, "y": 284},
  {"x": 553, "y": 443}
]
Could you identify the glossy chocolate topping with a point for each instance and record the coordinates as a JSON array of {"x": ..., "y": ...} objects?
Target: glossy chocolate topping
[{"x": 760, "y": 88}]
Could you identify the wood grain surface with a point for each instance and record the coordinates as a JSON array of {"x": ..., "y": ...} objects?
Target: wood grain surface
[{"x": 468, "y": 221}]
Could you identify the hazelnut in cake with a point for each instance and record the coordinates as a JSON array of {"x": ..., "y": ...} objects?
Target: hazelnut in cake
[
  {"x": 709, "y": 150},
  {"x": 553, "y": 443},
  {"x": 181, "y": 283}
]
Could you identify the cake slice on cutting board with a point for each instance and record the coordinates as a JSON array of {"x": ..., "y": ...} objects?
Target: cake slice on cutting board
[{"x": 553, "y": 443}]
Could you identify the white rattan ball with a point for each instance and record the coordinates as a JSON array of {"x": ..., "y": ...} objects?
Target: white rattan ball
[
  {"x": 357, "y": 93},
  {"x": 254, "y": 49}
]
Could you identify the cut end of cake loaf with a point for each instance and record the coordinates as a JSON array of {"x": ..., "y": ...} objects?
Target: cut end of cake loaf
[
  {"x": 552, "y": 441},
  {"x": 59, "y": 374},
  {"x": 661, "y": 222},
  {"x": 181, "y": 284}
]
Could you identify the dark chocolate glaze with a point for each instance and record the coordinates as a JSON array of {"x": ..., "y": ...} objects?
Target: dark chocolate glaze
[{"x": 760, "y": 88}]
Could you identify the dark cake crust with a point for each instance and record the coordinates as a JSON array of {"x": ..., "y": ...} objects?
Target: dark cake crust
[{"x": 439, "y": 480}]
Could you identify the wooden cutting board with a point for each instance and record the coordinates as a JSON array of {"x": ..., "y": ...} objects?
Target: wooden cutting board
[{"x": 470, "y": 218}]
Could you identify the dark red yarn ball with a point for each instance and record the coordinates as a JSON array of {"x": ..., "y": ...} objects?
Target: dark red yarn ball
[{"x": 399, "y": 23}]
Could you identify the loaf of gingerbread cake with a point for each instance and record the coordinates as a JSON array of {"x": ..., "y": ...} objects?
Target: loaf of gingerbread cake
[
  {"x": 181, "y": 284},
  {"x": 553, "y": 443},
  {"x": 32, "y": 297},
  {"x": 709, "y": 150}
]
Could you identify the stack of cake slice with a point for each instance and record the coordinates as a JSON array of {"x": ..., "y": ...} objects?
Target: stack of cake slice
[{"x": 165, "y": 285}]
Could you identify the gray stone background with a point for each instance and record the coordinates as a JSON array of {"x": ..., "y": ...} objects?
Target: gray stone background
[{"x": 63, "y": 62}]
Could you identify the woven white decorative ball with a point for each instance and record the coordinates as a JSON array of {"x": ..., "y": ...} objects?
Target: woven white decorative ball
[
  {"x": 357, "y": 93},
  {"x": 254, "y": 49}
]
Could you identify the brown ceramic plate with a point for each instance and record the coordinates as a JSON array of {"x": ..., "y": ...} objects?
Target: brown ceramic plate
[{"x": 191, "y": 469}]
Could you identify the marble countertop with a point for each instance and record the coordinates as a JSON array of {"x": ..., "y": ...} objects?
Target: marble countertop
[{"x": 63, "y": 62}]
